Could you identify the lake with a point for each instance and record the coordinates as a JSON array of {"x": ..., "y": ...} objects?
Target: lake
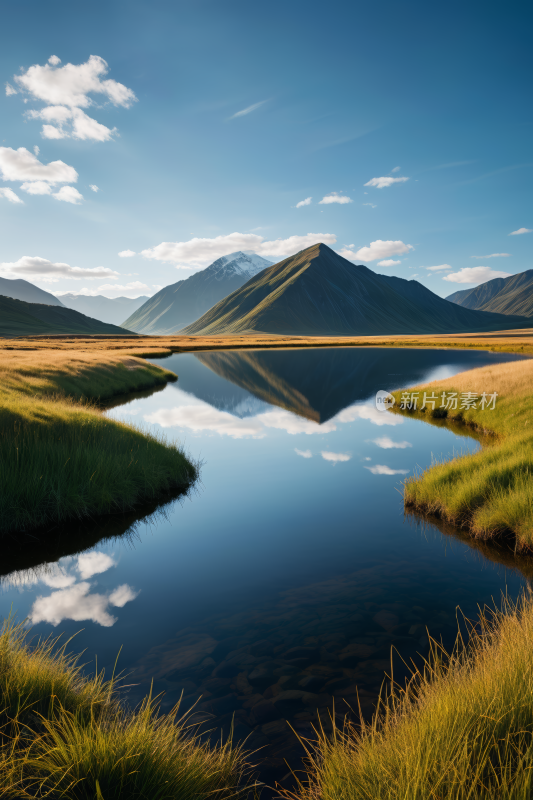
[{"x": 285, "y": 577}]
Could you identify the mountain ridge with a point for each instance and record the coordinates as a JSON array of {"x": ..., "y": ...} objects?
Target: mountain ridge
[
  {"x": 19, "y": 289},
  {"x": 512, "y": 295},
  {"x": 105, "y": 309},
  {"x": 18, "y": 318},
  {"x": 182, "y": 302},
  {"x": 318, "y": 292}
]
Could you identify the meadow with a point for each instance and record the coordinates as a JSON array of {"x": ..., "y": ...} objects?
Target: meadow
[
  {"x": 60, "y": 457},
  {"x": 489, "y": 493}
]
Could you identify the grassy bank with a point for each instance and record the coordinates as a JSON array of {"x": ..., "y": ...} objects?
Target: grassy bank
[
  {"x": 490, "y": 493},
  {"x": 463, "y": 729},
  {"x": 60, "y": 457},
  {"x": 66, "y": 736}
]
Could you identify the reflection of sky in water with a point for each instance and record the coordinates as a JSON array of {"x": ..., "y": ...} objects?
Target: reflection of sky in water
[
  {"x": 296, "y": 530},
  {"x": 73, "y": 598}
]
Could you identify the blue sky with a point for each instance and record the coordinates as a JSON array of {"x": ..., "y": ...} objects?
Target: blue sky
[{"x": 335, "y": 95}]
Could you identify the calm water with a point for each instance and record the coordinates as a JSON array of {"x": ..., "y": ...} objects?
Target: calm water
[{"x": 284, "y": 579}]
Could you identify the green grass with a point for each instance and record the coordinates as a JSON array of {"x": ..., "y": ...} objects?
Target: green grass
[
  {"x": 461, "y": 730},
  {"x": 489, "y": 493},
  {"x": 61, "y": 458},
  {"x": 63, "y": 735}
]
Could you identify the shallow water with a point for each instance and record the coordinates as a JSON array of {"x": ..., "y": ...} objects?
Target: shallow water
[{"x": 285, "y": 578}]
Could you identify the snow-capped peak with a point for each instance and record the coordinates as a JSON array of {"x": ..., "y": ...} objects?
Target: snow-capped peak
[{"x": 239, "y": 263}]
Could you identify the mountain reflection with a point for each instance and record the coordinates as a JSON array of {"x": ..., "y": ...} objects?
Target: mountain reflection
[{"x": 316, "y": 384}]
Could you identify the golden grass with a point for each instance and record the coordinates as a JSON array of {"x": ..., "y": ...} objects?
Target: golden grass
[
  {"x": 489, "y": 493},
  {"x": 461, "y": 730},
  {"x": 60, "y": 457},
  {"x": 65, "y": 735}
]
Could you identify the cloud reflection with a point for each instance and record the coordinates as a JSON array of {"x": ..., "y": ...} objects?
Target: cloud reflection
[
  {"x": 198, "y": 416},
  {"x": 335, "y": 457},
  {"x": 303, "y": 453},
  {"x": 386, "y": 443},
  {"x": 382, "y": 469},
  {"x": 77, "y": 603}
]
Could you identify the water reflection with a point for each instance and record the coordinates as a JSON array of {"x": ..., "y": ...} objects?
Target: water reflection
[{"x": 282, "y": 583}]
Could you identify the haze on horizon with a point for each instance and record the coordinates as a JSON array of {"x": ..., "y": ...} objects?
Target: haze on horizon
[{"x": 142, "y": 142}]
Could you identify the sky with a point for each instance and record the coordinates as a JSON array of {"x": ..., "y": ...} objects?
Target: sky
[{"x": 140, "y": 141}]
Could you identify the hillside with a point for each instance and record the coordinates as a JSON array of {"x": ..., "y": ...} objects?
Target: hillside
[
  {"x": 318, "y": 292},
  {"x": 181, "y": 303},
  {"x": 24, "y": 290},
  {"x": 105, "y": 309},
  {"x": 18, "y": 318},
  {"x": 512, "y": 295}
]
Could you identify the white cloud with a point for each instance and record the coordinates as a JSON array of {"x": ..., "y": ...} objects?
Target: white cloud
[
  {"x": 334, "y": 197},
  {"x": 414, "y": 275},
  {"x": 381, "y": 469},
  {"x": 377, "y": 250},
  {"x": 36, "y": 187},
  {"x": 306, "y": 202},
  {"x": 389, "y": 262},
  {"x": 372, "y": 205},
  {"x": 36, "y": 150},
  {"x": 10, "y": 195},
  {"x": 21, "y": 165},
  {"x": 41, "y": 268},
  {"x": 66, "y": 91},
  {"x": 200, "y": 252},
  {"x": 439, "y": 268},
  {"x": 93, "y": 187},
  {"x": 475, "y": 275},
  {"x": 69, "y": 195},
  {"x": 382, "y": 183},
  {"x": 520, "y": 231},
  {"x": 494, "y": 255},
  {"x": 127, "y": 253},
  {"x": 335, "y": 457},
  {"x": 112, "y": 290},
  {"x": 248, "y": 110},
  {"x": 395, "y": 169},
  {"x": 203, "y": 417},
  {"x": 10, "y": 90},
  {"x": 386, "y": 443},
  {"x": 77, "y": 603},
  {"x": 94, "y": 563},
  {"x": 303, "y": 453}
]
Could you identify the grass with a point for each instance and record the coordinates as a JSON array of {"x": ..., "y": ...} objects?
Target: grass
[
  {"x": 461, "y": 730},
  {"x": 63, "y": 735},
  {"x": 60, "y": 457},
  {"x": 489, "y": 493}
]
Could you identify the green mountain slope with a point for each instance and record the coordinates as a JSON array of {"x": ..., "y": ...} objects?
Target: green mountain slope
[
  {"x": 513, "y": 295},
  {"x": 317, "y": 292},
  {"x": 18, "y": 318},
  {"x": 181, "y": 303},
  {"x": 24, "y": 290}
]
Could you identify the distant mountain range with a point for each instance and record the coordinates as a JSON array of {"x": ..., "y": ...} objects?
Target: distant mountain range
[
  {"x": 512, "y": 295},
  {"x": 23, "y": 290},
  {"x": 181, "y": 303},
  {"x": 103, "y": 308},
  {"x": 18, "y": 318},
  {"x": 318, "y": 292}
]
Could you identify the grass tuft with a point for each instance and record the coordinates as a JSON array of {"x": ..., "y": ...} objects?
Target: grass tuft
[
  {"x": 461, "y": 730},
  {"x": 65, "y": 735}
]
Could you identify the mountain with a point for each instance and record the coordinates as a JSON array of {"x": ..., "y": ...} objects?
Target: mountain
[
  {"x": 103, "y": 308},
  {"x": 183, "y": 302},
  {"x": 512, "y": 295},
  {"x": 318, "y": 292},
  {"x": 24, "y": 290},
  {"x": 18, "y": 318}
]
